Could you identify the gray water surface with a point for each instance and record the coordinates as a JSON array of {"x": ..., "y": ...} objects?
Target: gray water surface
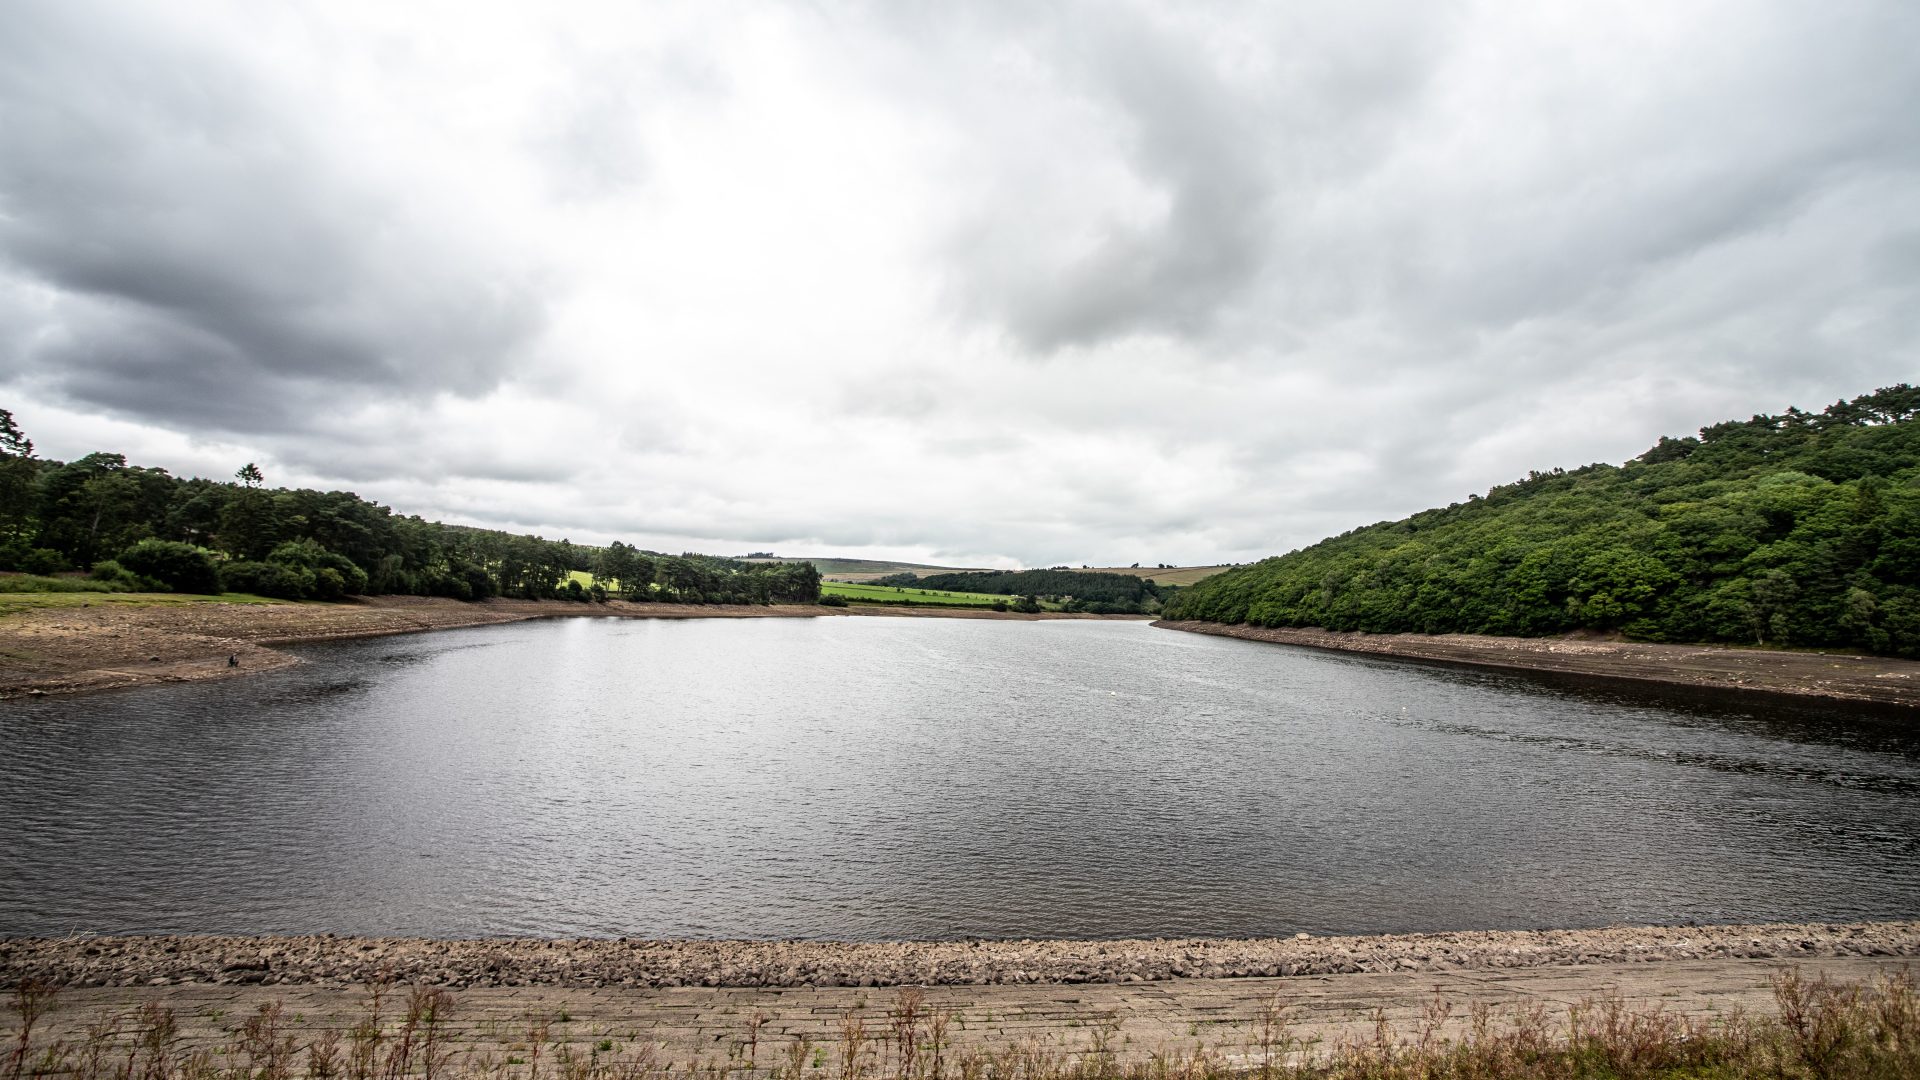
[{"x": 930, "y": 778}]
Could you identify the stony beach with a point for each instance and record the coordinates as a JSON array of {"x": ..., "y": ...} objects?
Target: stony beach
[
  {"x": 327, "y": 960},
  {"x": 1837, "y": 676}
]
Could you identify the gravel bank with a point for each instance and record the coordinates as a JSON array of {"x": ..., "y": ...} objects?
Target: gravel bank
[
  {"x": 337, "y": 961},
  {"x": 1876, "y": 680}
]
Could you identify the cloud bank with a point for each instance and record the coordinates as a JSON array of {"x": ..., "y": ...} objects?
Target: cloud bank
[{"x": 990, "y": 284}]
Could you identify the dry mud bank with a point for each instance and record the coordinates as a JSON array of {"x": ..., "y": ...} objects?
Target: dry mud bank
[
  {"x": 1208, "y": 1027},
  {"x": 73, "y": 649},
  {"x": 340, "y": 961},
  {"x": 1836, "y": 676}
]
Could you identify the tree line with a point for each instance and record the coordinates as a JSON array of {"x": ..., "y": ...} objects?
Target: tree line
[
  {"x": 1099, "y": 594},
  {"x": 138, "y": 527},
  {"x": 1800, "y": 529}
]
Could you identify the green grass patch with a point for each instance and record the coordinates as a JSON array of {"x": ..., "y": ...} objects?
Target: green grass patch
[
  {"x": 35, "y": 583},
  {"x": 890, "y": 594},
  {"x": 27, "y": 601}
]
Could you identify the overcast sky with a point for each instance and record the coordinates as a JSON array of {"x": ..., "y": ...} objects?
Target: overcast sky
[{"x": 983, "y": 284}]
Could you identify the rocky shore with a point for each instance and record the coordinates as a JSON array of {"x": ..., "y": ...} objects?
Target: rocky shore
[
  {"x": 342, "y": 961},
  {"x": 1875, "y": 680}
]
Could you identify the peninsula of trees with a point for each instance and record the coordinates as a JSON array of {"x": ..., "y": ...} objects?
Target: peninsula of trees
[
  {"x": 1097, "y": 594},
  {"x": 143, "y": 528},
  {"x": 1801, "y": 530}
]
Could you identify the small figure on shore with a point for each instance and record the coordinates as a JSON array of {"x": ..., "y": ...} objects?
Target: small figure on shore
[{"x": 233, "y": 659}]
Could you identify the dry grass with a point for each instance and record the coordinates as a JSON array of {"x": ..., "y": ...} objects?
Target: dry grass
[{"x": 1821, "y": 1031}]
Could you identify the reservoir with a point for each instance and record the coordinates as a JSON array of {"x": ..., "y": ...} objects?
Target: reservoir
[{"x": 927, "y": 778}]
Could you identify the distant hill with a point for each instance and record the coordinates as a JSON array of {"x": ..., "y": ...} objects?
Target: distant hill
[
  {"x": 1799, "y": 529},
  {"x": 860, "y": 569},
  {"x": 1164, "y": 575}
]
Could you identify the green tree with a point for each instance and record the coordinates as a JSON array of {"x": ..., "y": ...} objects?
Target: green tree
[
  {"x": 17, "y": 472},
  {"x": 180, "y": 567}
]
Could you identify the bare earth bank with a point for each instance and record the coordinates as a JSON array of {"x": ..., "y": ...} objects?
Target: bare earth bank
[
  {"x": 74, "y": 649},
  {"x": 326, "y": 960},
  {"x": 1839, "y": 676}
]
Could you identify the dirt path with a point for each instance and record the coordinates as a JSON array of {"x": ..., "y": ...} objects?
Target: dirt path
[
  {"x": 731, "y": 1026},
  {"x": 1838, "y": 676},
  {"x": 120, "y": 641}
]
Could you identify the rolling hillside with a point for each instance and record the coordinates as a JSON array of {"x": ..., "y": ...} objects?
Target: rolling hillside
[
  {"x": 1801, "y": 529},
  {"x": 860, "y": 569}
]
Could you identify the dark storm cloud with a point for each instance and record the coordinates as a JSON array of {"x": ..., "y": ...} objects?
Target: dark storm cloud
[{"x": 202, "y": 258}]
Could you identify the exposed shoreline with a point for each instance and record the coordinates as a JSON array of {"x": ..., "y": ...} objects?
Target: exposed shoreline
[
  {"x": 1832, "y": 676},
  {"x": 326, "y": 960},
  {"x": 108, "y": 645}
]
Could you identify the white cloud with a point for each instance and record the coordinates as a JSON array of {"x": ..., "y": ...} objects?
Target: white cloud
[{"x": 986, "y": 285}]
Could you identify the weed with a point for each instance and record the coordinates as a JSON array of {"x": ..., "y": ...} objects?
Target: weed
[{"x": 1819, "y": 1030}]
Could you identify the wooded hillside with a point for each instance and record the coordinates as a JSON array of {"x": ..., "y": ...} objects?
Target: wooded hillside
[
  {"x": 143, "y": 528},
  {"x": 1799, "y": 529}
]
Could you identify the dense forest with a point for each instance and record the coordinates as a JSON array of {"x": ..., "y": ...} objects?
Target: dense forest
[
  {"x": 1100, "y": 594},
  {"x": 1801, "y": 529},
  {"x": 143, "y": 528}
]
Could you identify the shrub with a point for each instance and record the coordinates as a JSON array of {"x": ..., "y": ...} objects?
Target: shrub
[
  {"x": 180, "y": 567},
  {"x": 263, "y": 579},
  {"x": 323, "y": 574},
  {"x": 119, "y": 577},
  {"x": 830, "y": 600},
  {"x": 43, "y": 561}
]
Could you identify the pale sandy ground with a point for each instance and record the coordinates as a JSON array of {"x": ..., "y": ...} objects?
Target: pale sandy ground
[
  {"x": 1834, "y": 675},
  {"x": 1220, "y": 1017},
  {"x": 1140, "y": 997}
]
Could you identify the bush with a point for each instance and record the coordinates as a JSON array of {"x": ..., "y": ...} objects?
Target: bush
[
  {"x": 44, "y": 561},
  {"x": 263, "y": 579},
  {"x": 119, "y": 577},
  {"x": 830, "y": 600},
  {"x": 180, "y": 567},
  {"x": 325, "y": 575}
]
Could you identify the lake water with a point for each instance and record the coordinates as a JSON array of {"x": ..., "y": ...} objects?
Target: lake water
[{"x": 871, "y": 778}]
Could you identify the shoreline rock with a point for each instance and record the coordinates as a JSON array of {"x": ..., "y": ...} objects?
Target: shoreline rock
[
  {"x": 1875, "y": 681},
  {"x": 327, "y": 960}
]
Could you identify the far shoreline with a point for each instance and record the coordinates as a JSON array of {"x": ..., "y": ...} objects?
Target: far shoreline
[
  {"x": 1836, "y": 677},
  {"x": 109, "y": 644}
]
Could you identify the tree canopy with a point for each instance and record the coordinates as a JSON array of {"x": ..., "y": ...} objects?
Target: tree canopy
[
  {"x": 1797, "y": 529},
  {"x": 1103, "y": 594},
  {"x": 144, "y": 526}
]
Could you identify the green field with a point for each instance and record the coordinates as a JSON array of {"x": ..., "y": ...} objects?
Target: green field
[{"x": 881, "y": 594}]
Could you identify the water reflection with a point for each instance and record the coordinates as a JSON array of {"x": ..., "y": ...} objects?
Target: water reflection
[{"x": 882, "y": 778}]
